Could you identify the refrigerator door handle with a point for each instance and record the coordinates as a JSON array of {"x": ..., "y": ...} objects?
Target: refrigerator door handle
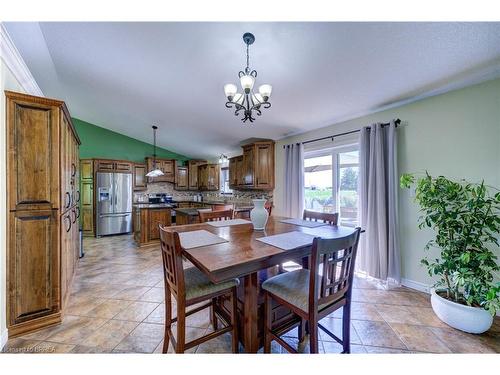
[{"x": 114, "y": 215}]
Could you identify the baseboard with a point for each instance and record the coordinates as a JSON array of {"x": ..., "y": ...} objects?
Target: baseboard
[
  {"x": 421, "y": 287},
  {"x": 4, "y": 336}
]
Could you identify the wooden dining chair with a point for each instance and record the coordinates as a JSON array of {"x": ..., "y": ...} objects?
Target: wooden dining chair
[
  {"x": 189, "y": 287},
  {"x": 222, "y": 207},
  {"x": 215, "y": 215},
  {"x": 313, "y": 294},
  {"x": 269, "y": 207},
  {"x": 326, "y": 217}
]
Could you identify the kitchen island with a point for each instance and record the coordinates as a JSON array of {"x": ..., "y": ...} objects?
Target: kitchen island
[
  {"x": 190, "y": 215},
  {"x": 146, "y": 218},
  {"x": 186, "y": 216}
]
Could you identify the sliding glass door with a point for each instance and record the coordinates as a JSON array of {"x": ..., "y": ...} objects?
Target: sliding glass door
[{"x": 331, "y": 182}]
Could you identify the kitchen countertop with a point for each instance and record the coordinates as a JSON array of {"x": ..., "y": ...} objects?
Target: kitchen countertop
[
  {"x": 204, "y": 201},
  {"x": 187, "y": 211},
  {"x": 152, "y": 205},
  {"x": 238, "y": 207}
]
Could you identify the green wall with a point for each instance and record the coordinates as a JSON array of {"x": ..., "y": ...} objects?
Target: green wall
[{"x": 98, "y": 142}]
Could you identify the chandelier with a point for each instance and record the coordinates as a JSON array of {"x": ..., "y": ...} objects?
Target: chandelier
[{"x": 248, "y": 102}]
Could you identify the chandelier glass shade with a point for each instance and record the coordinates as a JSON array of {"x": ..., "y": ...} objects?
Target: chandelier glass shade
[{"x": 248, "y": 102}]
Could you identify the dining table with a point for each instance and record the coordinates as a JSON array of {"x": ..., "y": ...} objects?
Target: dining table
[{"x": 243, "y": 256}]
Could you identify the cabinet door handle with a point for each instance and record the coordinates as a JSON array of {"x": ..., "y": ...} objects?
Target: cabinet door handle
[
  {"x": 74, "y": 215},
  {"x": 77, "y": 212},
  {"x": 69, "y": 223},
  {"x": 78, "y": 195},
  {"x": 73, "y": 169},
  {"x": 67, "y": 199}
]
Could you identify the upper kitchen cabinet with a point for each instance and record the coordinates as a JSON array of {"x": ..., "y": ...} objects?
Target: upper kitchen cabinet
[
  {"x": 43, "y": 195},
  {"x": 167, "y": 166},
  {"x": 248, "y": 171},
  {"x": 208, "y": 177},
  {"x": 255, "y": 168},
  {"x": 235, "y": 172},
  {"x": 112, "y": 166},
  {"x": 193, "y": 173},
  {"x": 33, "y": 134},
  {"x": 263, "y": 165},
  {"x": 139, "y": 177},
  {"x": 181, "y": 178}
]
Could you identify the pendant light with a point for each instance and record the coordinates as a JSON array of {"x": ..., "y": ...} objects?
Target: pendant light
[{"x": 155, "y": 172}]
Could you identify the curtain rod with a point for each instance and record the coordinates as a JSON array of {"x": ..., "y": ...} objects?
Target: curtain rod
[{"x": 397, "y": 122}]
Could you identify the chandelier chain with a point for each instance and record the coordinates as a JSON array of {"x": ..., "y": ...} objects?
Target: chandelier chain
[{"x": 248, "y": 59}]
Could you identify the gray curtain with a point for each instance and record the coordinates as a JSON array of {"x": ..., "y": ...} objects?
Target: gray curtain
[
  {"x": 294, "y": 180},
  {"x": 379, "y": 254}
]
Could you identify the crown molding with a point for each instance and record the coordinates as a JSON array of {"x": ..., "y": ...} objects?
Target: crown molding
[{"x": 14, "y": 61}]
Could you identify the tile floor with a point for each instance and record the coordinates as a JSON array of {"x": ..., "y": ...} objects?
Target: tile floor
[{"x": 117, "y": 306}]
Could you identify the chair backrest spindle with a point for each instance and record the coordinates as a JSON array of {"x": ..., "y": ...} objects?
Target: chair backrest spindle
[{"x": 215, "y": 215}]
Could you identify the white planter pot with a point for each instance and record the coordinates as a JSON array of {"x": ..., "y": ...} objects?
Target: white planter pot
[
  {"x": 465, "y": 318},
  {"x": 259, "y": 214}
]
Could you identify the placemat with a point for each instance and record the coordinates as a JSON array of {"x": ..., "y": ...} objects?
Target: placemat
[
  {"x": 197, "y": 238},
  {"x": 227, "y": 223},
  {"x": 289, "y": 240},
  {"x": 303, "y": 223}
]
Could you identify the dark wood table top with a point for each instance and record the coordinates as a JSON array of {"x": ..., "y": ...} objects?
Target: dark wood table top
[{"x": 243, "y": 254}]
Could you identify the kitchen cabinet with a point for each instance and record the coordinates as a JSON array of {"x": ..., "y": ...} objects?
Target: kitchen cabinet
[
  {"x": 248, "y": 170},
  {"x": 208, "y": 177},
  {"x": 157, "y": 217},
  {"x": 113, "y": 166},
  {"x": 181, "y": 178},
  {"x": 87, "y": 196},
  {"x": 193, "y": 173},
  {"x": 43, "y": 194},
  {"x": 254, "y": 169},
  {"x": 139, "y": 177},
  {"x": 146, "y": 221},
  {"x": 69, "y": 233},
  {"x": 167, "y": 166},
  {"x": 264, "y": 165}
]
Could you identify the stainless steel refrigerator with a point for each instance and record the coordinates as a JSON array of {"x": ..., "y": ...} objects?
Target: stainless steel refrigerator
[{"x": 114, "y": 203}]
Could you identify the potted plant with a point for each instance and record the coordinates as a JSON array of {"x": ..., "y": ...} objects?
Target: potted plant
[{"x": 466, "y": 219}]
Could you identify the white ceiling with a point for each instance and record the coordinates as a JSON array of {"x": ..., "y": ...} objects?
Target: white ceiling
[{"x": 128, "y": 76}]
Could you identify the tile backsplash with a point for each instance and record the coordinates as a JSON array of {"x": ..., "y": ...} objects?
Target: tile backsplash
[{"x": 238, "y": 196}]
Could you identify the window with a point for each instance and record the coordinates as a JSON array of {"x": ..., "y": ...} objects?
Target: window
[
  {"x": 331, "y": 182},
  {"x": 224, "y": 181}
]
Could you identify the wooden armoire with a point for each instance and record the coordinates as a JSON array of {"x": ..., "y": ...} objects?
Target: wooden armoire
[{"x": 42, "y": 200}]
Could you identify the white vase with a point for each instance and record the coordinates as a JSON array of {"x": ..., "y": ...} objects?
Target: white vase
[
  {"x": 259, "y": 214},
  {"x": 465, "y": 318}
]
